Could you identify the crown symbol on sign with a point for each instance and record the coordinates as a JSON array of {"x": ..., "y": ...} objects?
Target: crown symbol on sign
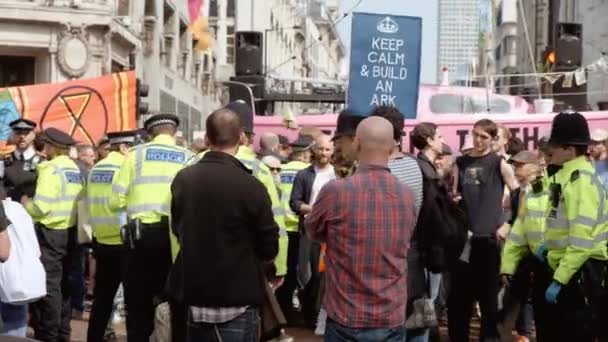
[{"x": 388, "y": 25}]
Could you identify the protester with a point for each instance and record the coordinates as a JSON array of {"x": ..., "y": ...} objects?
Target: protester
[
  {"x": 274, "y": 165},
  {"x": 501, "y": 143},
  {"x": 269, "y": 145},
  {"x": 598, "y": 150},
  {"x": 285, "y": 148},
  {"x": 366, "y": 220},
  {"x": 227, "y": 233},
  {"x": 344, "y": 154},
  {"x": 482, "y": 175},
  {"x": 307, "y": 185}
]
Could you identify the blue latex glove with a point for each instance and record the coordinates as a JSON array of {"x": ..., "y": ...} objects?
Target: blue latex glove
[
  {"x": 541, "y": 253},
  {"x": 553, "y": 292}
]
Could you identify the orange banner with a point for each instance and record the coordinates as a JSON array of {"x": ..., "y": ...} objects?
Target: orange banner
[{"x": 86, "y": 109}]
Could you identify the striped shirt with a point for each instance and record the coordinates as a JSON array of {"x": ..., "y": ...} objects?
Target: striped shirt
[{"x": 408, "y": 172}]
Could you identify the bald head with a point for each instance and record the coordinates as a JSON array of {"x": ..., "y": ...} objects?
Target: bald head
[
  {"x": 269, "y": 141},
  {"x": 224, "y": 129},
  {"x": 374, "y": 140}
]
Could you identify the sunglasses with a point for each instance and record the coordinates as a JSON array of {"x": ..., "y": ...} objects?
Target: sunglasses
[{"x": 275, "y": 169}]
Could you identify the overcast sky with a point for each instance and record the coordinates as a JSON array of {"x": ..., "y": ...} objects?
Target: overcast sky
[{"x": 427, "y": 9}]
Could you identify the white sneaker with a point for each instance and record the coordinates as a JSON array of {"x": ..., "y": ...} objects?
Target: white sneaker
[{"x": 321, "y": 319}]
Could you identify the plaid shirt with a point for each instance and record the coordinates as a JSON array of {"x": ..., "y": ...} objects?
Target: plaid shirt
[
  {"x": 367, "y": 220},
  {"x": 216, "y": 315}
]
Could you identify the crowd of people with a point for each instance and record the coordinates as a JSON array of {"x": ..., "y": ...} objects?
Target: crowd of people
[{"x": 343, "y": 234}]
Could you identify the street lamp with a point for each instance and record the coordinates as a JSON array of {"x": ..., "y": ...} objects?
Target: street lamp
[{"x": 295, "y": 27}]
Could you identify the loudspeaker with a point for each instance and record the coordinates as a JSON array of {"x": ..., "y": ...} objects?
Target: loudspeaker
[
  {"x": 569, "y": 46},
  {"x": 575, "y": 96},
  {"x": 249, "y": 53}
]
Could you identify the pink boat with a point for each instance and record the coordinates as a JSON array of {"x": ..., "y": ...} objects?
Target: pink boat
[{"x": 454, "y": 109}]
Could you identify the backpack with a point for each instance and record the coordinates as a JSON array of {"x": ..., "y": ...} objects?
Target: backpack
[{"x": 22, "y": 276}]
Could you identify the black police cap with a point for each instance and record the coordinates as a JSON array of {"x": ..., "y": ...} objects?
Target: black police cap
[
  {"x": 244, "y": 112},
  {"x": 124, "y": 137},
  {"x": 569, "y": 128},
  {"x": 347, "y": 124},
  {"x": 161, "y": 119},
  {"x": 22, "y": 125},
  {"x": 58, "y": 138},
  {"x": 303, "y": 143}
]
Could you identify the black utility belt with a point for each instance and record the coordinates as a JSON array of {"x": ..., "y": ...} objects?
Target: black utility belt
[{"x": 133, "y": 231}]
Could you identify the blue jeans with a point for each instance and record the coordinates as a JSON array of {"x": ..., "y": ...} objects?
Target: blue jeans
[
  {"x": 335, "y": 332},
  {"x": 14, "y": 319},
  {"x": 241, "y": 329},
  {"x": 422, "y": 335}
]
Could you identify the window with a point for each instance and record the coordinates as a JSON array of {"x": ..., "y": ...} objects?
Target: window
[
  {"x": 230, "y": 45},
  {"x": 213, "y": 8},
  {"x": 231, "y": 11},
  {"x": 510, "y": 43},
  {"x": 124, "y": 8},
  {"x": 460, "y": 104}
]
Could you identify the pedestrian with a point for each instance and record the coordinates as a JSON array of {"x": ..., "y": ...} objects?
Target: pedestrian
[
  {"x": 482, "y": 176},
  {"x": 576, "y": 236},
  {"x": 199, "y": 145},
  {"x": 18, "y": 170},
  {"x": 223, "y": 219},
  {"x": 54, "y": 209},
  {"x": 307, "y": 185},
  {"x": 110, "y": 252},
  {"x": 142, "y": 189},
  {"x": 367, "y": 220},
  {"x": 300, "y": 159}
]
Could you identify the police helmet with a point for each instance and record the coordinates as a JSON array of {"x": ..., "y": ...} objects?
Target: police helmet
[{"x": 569, "y": 128}]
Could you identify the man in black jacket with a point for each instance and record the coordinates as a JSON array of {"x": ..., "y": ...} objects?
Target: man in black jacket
[{"x": 223, "y": 220}]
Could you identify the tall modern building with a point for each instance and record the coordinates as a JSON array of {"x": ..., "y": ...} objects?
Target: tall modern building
[{"x": 459, "y": 35}]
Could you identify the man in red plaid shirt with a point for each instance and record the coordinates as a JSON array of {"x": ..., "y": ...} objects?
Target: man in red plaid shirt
[{"x": 366, "y": 220}]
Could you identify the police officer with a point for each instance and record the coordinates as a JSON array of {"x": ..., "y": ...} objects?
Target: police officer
[
  {"x": 576, "y": 234},
  {"x": 110, "y": 253},
  {"x": 19, "y": 168},
  {"x": 142, "y": 188},
  {"x": 248, "y": 157},
  {"x": 54, "y": 209},
  {"x": 300, "y": 159}
]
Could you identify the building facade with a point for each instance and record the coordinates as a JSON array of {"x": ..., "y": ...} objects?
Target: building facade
[
  {"x": 507, "y": 41},
  {"x": 44, "y": 41},
  {"x": 459, "y": 36},
  {"x": 299, "y": 41}
]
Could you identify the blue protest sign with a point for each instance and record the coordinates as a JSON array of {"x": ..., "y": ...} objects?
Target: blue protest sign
[{"x": 385, "y": 63}]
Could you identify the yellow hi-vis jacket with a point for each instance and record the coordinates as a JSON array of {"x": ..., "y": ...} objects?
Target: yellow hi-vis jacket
[
  {"x": 143, "y": 183},
  {"x": 106, "y": 222},
  {"x": 58, "y": 190},
  {"x": 577, "y": 230},
  {"x": 260, "y": 171},
  {"x": 527, "y": 233},
  {"x": 288, "y": 175}
]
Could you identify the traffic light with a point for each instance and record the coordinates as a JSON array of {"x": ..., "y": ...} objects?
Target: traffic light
[
  {"x": 142, "y": 90},
  {"x": 549, "y": 58}
]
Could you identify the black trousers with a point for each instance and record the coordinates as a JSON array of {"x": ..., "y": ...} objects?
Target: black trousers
[
  {"x": 51, "y": 315},
  {"x": 309, "y": 296},
  {"x": 111, "y": 262},
  {"x": 147, "y": 268},
  {"x": 476, "y": 280},
  {"x": 285, "y": 292}
]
